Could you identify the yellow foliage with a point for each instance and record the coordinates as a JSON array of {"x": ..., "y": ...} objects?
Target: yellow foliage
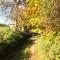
[{"x": 34, "y": 21}]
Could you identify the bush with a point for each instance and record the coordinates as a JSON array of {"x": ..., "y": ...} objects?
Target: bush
[
  {"x": 12, "y": 41},
  {"x": 48, "y": 47}
]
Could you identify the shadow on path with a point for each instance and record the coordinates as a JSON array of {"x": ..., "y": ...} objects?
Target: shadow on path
[{"x": 11, "y": 50}]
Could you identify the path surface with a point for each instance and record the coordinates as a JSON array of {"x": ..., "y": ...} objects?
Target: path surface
[{"x": 32, "y": 49}]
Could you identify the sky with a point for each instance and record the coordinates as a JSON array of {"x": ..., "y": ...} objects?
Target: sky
[
  {"x": 4, "y": 12},
  {"x": 2, "y": 19},
  {"x": 7, "y": 11}
]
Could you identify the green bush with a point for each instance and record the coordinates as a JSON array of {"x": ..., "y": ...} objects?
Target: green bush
[
  {"x": 48, "y": 47},
  {"x": 12, "y": 41}
]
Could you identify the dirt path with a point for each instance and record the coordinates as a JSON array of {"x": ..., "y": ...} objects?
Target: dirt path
[{"x": 32, "y": 49}]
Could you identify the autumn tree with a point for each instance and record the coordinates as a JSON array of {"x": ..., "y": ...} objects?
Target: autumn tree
[
  {"x": 45, "y": 14},
  {"x": 34, "y": 13}
]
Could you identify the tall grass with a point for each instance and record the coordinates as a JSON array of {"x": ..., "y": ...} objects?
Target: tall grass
[{"x": 48, "y": 47}]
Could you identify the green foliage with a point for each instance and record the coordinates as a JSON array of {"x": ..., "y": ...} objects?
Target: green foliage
[
  {"x": 5, "y": 32},
  {"x": 11, "y": 42},
  {"x": 48, "y": 47}
]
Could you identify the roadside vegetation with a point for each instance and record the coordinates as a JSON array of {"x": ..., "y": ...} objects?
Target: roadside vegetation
[{"x": 31, "y": 18}]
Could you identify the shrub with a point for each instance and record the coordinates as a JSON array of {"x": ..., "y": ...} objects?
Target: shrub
[{"x": 48, "y": 47}]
